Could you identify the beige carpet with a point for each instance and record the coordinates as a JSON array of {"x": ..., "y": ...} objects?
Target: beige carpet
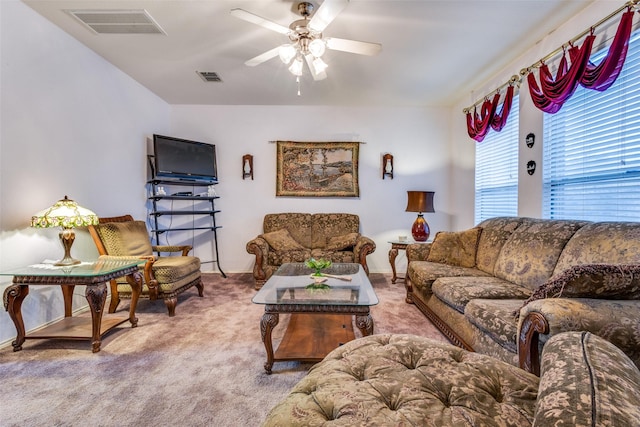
[{"x": 203, "y": 367}]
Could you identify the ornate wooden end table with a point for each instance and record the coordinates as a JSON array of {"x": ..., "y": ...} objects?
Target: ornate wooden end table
[
  {"x": 92, "y": 275},
  {"x": 399, "y": 245},
  {"x": 321, "y": 314}
]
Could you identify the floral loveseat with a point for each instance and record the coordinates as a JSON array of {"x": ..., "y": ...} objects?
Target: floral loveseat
[
  {"x": 296, "y": 237},
  {"x": 406, "y": 380},
  {"x": 508, "y": 285}
]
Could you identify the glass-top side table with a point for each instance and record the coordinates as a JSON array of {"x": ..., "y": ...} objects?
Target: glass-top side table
[{"x": 94, "y": 276}]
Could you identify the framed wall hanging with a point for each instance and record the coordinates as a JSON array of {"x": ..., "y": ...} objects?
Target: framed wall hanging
[{"x": 317, "y": 169}]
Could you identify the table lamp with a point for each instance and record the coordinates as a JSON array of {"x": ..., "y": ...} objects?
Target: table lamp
[
  {"x": 420, "y": 201},
  {"x": 67, "y": 214}
]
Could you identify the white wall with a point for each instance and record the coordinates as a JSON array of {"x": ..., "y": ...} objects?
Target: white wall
[
  {"x": 417, "y": 138},
  {"x": 529, "y": 187},
  {"x": 71, "y": 124}
]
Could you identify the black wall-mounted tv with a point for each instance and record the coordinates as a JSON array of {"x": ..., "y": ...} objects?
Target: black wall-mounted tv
[{"x": 181, "y": 159}]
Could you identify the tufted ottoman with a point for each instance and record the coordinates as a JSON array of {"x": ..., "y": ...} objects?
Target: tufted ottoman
[{"x": 407, "y": 380}]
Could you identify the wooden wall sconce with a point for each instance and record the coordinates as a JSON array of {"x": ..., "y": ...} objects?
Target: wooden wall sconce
[
  {"x": 387, "y": 166},
  {"x": 247, "y": 166}
]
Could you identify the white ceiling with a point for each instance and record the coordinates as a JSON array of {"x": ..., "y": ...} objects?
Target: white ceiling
[{"x": 433, "y": 52}]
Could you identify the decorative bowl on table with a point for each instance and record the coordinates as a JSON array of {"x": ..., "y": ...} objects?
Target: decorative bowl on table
[{"x": 317, "y": 265}]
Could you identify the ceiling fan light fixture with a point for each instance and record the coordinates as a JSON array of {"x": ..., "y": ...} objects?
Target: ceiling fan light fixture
[
  {"x": 296, "y": 67},
  {"x": 317, "y": 48},
  {"x": 319, "y": 65},
  {"x": 287, "y": 52}
]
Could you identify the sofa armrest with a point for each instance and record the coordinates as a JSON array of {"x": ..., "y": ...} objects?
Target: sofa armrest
[
  {"x": 260, "y": 248},
  {"x": 185, "y": 249},
  {"x": 418, "y": 251},
  {"x": 363, "y": 247},
  {"x": 616, "y": 321},
  {"x": 586, "y": 380}
]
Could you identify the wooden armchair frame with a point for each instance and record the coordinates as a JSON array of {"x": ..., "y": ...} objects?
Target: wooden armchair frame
[{"x": 149, "y": 278}]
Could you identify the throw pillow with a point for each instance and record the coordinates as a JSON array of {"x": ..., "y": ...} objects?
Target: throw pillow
[
  {"x": 605, "y": 281},
  {"x": 455, "y": 248},
  {"x": 281, "y": 240},
  {"x": 341, "y": 242}
]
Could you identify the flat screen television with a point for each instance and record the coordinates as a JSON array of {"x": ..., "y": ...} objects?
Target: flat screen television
[{"x": 184, "y": 160}]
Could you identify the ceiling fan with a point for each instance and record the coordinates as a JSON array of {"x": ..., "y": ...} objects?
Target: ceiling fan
[{"x": 306, "y": 38}]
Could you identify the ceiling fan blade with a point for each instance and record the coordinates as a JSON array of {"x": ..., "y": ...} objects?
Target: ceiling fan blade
[
  {"x": 353, "y": 46},
  {"x": 317, "y": 75},
  {"x": 258, "y": 20},
  {"x": 263, "y": 57},
  {"x": 326, "y": 13}
]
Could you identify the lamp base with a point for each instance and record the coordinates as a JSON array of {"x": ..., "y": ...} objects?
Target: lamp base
[
  {"x": 420, "y": 230},
  {"x": 67, "y": 236},
  {"x": 67, "y": 261}
]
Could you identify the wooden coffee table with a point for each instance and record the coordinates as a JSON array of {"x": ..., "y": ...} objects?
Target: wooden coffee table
[{"x": 320, "y": 316}]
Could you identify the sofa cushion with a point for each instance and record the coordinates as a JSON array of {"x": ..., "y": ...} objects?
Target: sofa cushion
[
  {"x": 495, "y": 318},
  {"x": 333, "y": 256},
  {"x": 602, "y": 242},
  {"x": 456, "y": 292},
  {"x": 495, "y": 232},
  {"x": 343, "y": 241},
  {"x": 396, "y": 380},
  {"x": 602, "y": 281},
  {"x": 298, "y": 225},
  {"x": 282, "y": 257},
  {"x": 586, "y": 381},
  {"x": 424, "y": 273},
  {"x": 326, "y": 225},
  {"x": 455, "y": 248},
  {"x": 530, "y": 254},
  {"x": 281, "y": 240}
]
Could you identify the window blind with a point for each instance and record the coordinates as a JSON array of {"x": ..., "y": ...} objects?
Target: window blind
[
  {"x": 496, "y": 175},
  {"x": 591, "y": 150}
]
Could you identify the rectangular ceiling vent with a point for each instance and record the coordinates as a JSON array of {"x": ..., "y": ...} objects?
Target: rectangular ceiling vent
[
  {"x": 112, "y": 21},
  {"x": 209, "y": 76}
]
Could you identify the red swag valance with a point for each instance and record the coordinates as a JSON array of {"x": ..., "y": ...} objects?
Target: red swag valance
[
  {"x": 478, "y": 125},
  {"x": 554, "y": 91}
]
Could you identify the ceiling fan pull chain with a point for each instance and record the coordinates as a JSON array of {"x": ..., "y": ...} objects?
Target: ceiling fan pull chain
[{"x": 298, "y": 82}]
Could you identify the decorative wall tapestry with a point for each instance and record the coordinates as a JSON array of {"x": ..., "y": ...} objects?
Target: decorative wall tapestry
[{"x": 317, "y": 169}]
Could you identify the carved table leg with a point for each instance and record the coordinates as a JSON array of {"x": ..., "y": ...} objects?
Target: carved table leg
[
  {"x": 135, "y": 281},
  {"x": 393, "y": 253},
  {"x": 13, "y": 297},
  {"x": 364, "y": 322},
  {"x": 67, "y": 295},
  {"x": 96, "y": 297},
  {"x": 268, "y": 322}
]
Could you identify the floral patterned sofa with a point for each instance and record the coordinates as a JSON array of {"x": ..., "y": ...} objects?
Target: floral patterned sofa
[
  {"x": 505, "y": 287},
  {"x": 296, "y": 237},
  {"x": 398, "y": 380}
]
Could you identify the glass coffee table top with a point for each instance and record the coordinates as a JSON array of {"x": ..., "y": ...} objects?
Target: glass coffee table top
[{"x": 345, "y": 284}]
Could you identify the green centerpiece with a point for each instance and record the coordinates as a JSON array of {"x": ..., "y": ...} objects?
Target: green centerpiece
[{"x": 317, "y": 265}]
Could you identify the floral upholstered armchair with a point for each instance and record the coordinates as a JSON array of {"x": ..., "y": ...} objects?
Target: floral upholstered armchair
[{"x": 296, "y": 237}]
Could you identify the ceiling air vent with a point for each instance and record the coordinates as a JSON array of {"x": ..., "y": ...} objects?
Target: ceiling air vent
[
  {"x": 209, "y": 76},
  {"x": 117, "y": 21}
]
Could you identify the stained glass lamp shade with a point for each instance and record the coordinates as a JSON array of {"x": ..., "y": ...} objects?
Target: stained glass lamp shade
[{"x": 66, "y": 214}]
